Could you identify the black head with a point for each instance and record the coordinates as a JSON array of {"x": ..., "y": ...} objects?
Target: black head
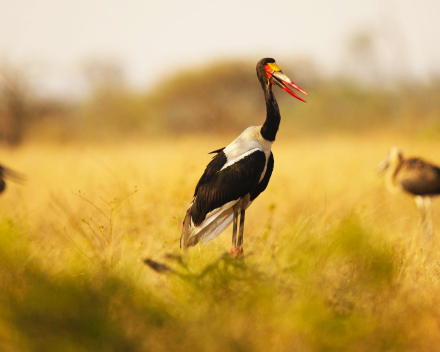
[
  {"x": 261, "y": 71},
  {"x": 269, "y": 73},
  {"x": 265, "y": 61}
]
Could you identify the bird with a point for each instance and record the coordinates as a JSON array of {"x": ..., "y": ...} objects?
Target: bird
[
  {"x": 6, "y": 173},
  {"x": 413, "y": 176},
  {"x": 239, "y": 172}
]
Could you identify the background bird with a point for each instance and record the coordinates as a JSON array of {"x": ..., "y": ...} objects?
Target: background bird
[
  {"x": 9, "y": 174},
  {"x": 415, "y": 177},
  {"x": 238, "y": 173}
]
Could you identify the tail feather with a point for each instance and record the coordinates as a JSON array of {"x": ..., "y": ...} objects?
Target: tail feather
[
  {"x": 215, "y": 228},
  {"x": 214, "y": 224},
  {"x": 220, "y": 225},
  {"x": 186, "y": 228}
]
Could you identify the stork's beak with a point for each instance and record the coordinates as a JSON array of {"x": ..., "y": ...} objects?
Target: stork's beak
[
  {"x": 383, "y": 165},
  {"x": 277, "y": 77}
]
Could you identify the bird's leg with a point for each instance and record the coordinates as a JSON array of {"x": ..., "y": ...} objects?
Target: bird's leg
[
  {"x": 240, "y": 234},
  {"x": 234, "y": 230},
  {"x": 421, "y": 206},
  {"x": 237, "y": 251},
  {"x": 429, "y": 222}
]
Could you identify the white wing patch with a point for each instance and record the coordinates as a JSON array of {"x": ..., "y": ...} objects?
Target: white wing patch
[
  {"x": 242, "y": 156},
  {"x": 264, "y": 172}
]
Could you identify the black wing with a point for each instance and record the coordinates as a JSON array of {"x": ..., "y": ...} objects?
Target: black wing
[
  {"x": 419, "y": 177},
  {"x": 214, "y": 166},
  {"x": 265, "y": 181},
  {"x": 217, "y": 188},
  {"x": 217, "y": 151}
]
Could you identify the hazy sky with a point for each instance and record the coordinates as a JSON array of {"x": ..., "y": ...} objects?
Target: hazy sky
[{"x": 152, "y": 38}]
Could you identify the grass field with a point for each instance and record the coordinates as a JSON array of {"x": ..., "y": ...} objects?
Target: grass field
[{"x": 333, "y": 261}]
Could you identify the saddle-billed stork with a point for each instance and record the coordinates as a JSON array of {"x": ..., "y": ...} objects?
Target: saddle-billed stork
[
  {"x": 415, "y": 177},
  {"x": 6, "y": 173},
  {"x": 238, "y": 173}
]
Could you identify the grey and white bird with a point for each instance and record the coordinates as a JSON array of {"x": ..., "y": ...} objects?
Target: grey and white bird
[
  {"x": 238, "y": 173},
  {"x": 413, "y": 176}
]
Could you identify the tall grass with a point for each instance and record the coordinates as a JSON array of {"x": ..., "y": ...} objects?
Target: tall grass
[{"x": 333, "y": 262}]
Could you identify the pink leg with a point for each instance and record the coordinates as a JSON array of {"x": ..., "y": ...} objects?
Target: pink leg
[{"x": 237, "y": 251}]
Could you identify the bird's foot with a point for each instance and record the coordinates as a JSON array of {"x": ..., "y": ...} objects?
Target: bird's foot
[{"x": 237, "y": 251}]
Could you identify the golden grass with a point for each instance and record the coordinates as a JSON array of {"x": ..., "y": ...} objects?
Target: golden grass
[{"x": 334, "y": 261}]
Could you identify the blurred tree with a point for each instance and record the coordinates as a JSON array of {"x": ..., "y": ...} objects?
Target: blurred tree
[
  {"x": 376, "y": 55},
  {"x": 363, "y": 57},
  {"x": 225, "y": 95},
  {"x": 111, "y": 106},
  {"x": 103, "y": 75},
  {"x": 15, "y": 97}
]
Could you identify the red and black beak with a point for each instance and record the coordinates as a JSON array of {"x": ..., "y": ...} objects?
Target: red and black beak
[{"x": 277, "y": 77}]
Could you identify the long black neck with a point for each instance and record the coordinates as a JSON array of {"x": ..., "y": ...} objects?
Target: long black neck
[{"x": 273, "y": 117}]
